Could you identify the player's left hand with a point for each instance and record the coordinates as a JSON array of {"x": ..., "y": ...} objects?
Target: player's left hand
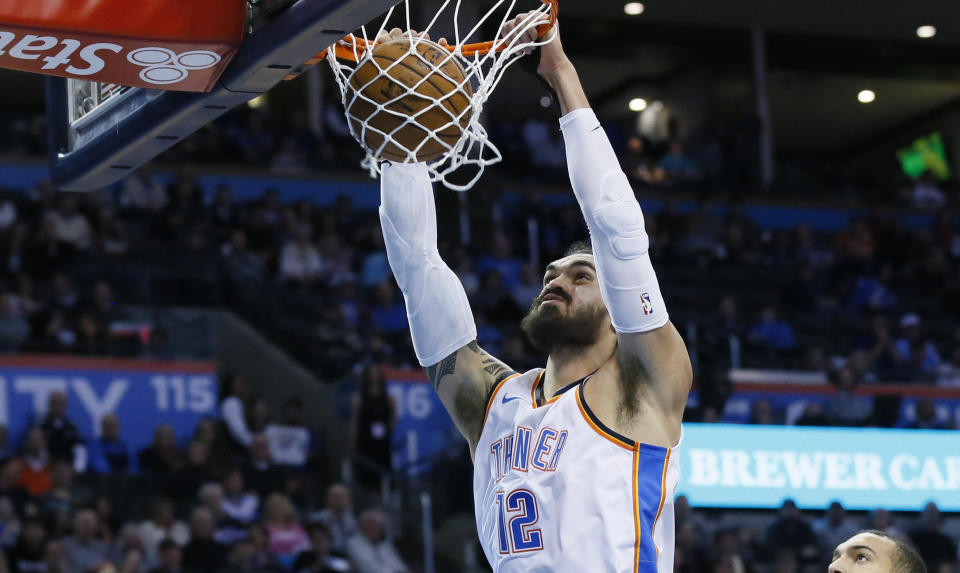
[{"x": 521, "y": 25}]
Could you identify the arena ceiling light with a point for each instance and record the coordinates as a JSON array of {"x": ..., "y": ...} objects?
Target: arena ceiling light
[
  {"x": 866, "y": 96},
  {"x": 926, "y": 31},
  {"x": 638, "y": 104},
  {"x": 633, "y": 8}
]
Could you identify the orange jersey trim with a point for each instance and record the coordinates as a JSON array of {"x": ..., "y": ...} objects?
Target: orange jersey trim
[
  {"x": 601, "y": 431},
  {"x": 636, "y": 508}
]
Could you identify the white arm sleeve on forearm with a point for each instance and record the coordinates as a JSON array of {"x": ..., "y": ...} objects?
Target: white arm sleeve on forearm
[
  {"x": 620, "y": 242},
  {"x": 439, "y": 314}
]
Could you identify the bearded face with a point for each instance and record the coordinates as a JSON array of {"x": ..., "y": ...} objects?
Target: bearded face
[{"x": 555, "y": 321}]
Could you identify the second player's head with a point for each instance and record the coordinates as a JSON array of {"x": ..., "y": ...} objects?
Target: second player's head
[
  {"x": 875, "y": 552},
  {"x": 569, "y": 312}
]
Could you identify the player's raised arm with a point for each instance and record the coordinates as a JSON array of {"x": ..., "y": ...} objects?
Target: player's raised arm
[
  {"x": 650, "y": 350},
  {"x": 441, "y": 322}
]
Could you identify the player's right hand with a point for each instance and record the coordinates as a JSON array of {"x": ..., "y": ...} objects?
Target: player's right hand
[{"x": 398, "y": 34}]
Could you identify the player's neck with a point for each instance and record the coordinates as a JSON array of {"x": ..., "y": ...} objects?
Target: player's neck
[{"x": 566, "y": 366}]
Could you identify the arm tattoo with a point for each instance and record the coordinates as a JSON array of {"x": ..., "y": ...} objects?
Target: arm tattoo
[
  {"x": 436, "y": 372},
  {"x": 491, "y": 365},
  {"x": 498, "y": 370}
]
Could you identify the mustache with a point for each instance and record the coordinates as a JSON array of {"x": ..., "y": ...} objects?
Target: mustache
[{"x": 557, "y": 291}]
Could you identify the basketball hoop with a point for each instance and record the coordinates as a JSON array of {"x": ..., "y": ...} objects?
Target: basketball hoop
[{"x": 385, "y": 129}]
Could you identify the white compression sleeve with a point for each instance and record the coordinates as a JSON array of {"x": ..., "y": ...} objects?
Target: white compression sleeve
[
  {"x": 439, "y": 314},
  {"x": 620, "y": 242}
]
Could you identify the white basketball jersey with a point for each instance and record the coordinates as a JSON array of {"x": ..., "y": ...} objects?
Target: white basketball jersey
[{"x": 556, "y": 491}]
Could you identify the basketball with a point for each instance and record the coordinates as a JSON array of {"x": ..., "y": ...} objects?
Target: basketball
[{"x": 426, "y": 84}]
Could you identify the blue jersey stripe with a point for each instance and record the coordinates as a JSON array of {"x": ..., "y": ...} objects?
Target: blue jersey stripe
[{"x": 649, "y": 494}]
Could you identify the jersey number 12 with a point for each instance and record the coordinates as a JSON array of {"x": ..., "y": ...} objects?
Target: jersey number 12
[{"x": 517, "y": 513}]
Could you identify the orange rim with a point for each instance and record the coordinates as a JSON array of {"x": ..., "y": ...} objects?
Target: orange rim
[{"x": 352, "y": 48}]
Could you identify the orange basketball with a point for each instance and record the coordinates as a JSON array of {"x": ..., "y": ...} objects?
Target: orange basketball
[{"x": 435, "y": 104}]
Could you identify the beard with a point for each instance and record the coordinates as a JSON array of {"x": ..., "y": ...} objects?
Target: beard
[{"x": 550, "y": 330}]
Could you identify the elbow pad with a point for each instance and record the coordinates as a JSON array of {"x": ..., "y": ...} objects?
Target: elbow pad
[
  {"x": 621, "y": 246},
  {"x": 438, "y": 311}
]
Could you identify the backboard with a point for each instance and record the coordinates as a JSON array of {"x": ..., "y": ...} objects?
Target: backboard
[{"x": 100, "y": 133}]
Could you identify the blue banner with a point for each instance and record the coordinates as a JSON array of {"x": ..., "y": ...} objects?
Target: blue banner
[
  {"x": 143, "y": 395},
  {"x": 759, "y": 466},
  {"x": 424, "y": 430}
]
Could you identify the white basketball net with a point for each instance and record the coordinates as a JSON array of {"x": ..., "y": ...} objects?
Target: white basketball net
[{"x": 483, "y": 72}]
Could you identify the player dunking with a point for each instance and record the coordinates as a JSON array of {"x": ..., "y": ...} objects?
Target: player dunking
[{"x": 574, "y": 464}]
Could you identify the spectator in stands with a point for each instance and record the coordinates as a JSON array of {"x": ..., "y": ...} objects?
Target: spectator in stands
[
  {"x": 289, "y": 159},
  {"x": 193, "y": 474},
  {"x": 833, "y": 529},
  {"x": 160, "y": 458},
  {"x": 913, "y": 351},
  {"x": 239, "y": 505},
  {"x": 934, "y": 546},
  {"x": 372, "y": 420},
  {"x": 690, "y": 555},
  {"x": 286, "y": 537},
  {"x": 27, "y": 556},
  {"x": 60, "y": 500},
  {"x": 211, "y": 498},
  {"x": 882, "y": 520},
  {"x": 65, "y": 296},
  {"x": 761, "y": 412},
  {"x": 242, "y": 262},
  {"x": 8, "y": 214},
  {"x": 925, "y": 417},
  {"x": 727, "y": 550},
  {"x": 233, "y": 392},
  {"x": 170, "y": 558},
  {"x": 290, "y": 441},
  {"x": 60, "y": 433},
  {"x": 142, "y": 192},
  {"x": 370, "y": 551},
  {"x": 677, "y": 165},
  {"x": 338, "y": 517},
  {"x": 205, "y": 432},
  {"x": 300, "y": 261},
  {"x": 791, "y": 531},
  {"x": 259, "y": 416},
  {"x": 948, "y": 374},
  {"x": 503, "y": 261},
  {"x": 10, "y": 487},
  {"x": 318, "y": 559},
  {"x": 104, "y": 307},
  {"x": 772, "y": 331},
  {"x": 160, "y": 526},
  {"x": 6, "y": 452},
  {"x": 244, "y": 557},
  {"x": 35, "y": 464},
  {"x": 128, "y": 539},
  {"x": 638, "y": 164},
  {"x": 845, "y": 407},
  {"x": 387, "y": 314},
  {"x": 224, "y": 213},
  {"x": 926, "y": 193},
  {"x": 84, "y": 552},
  {"x": 260, "y": 473},
  {"x": 69, "y": 225},
  {"x": 813, "y": 415},
  {"x": 9, "y": 524},
  {"x": 109, "y": 454},
  {"x": 202, "y": 553},
  {"x": 109, "y": 522},
  {"x": 55, "y": 558}
]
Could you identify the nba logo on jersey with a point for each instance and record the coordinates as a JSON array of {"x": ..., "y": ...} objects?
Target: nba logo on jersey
[{"x": 647, "y": 304}]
